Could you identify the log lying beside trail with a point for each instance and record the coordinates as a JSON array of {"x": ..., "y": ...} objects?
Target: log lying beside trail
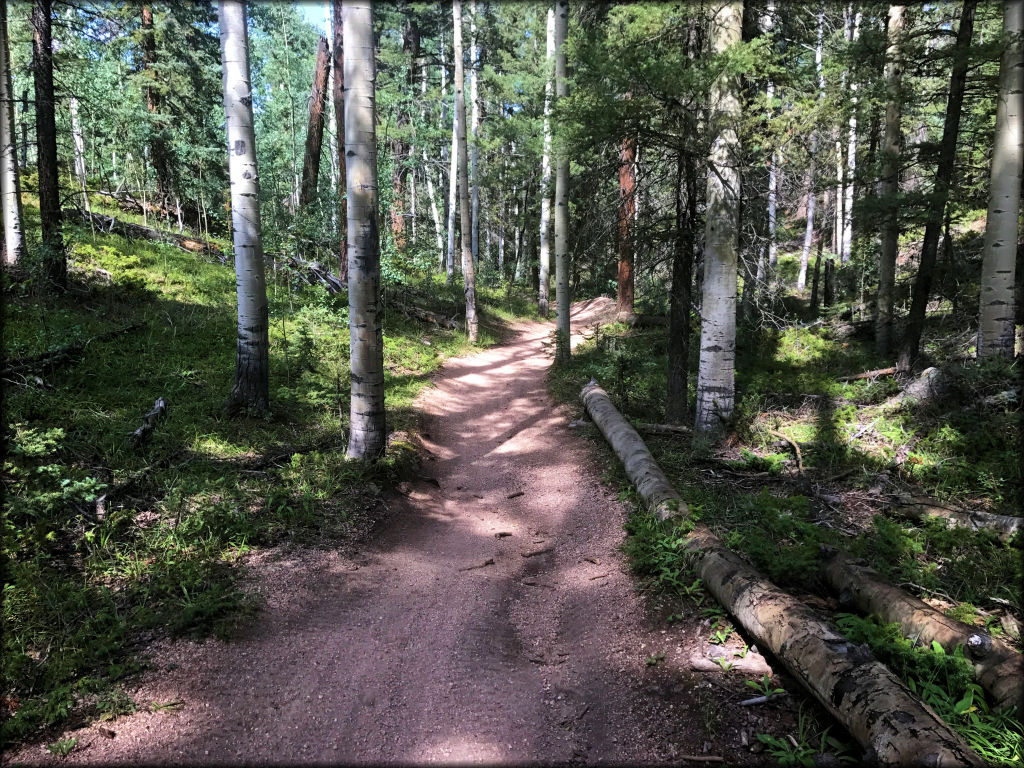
[
  {"x": 893, "y": 725},
  {"x": 996, "y": 665},
  {"x": 1004, "y": 526},
  {"x": 411, "y": 310},
  {"x": 662, "y": 429},
  {"x": 869, "y": 374},
  {"x": 111, "y": 225}
]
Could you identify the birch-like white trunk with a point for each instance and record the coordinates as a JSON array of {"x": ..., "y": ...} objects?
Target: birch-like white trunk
[
  {"x": 251, "y": 389},
  {"x": 434, "y": 214},
  {"x": 767, "y": 25},
  {"x": 995, "y": 327},
  {"x": 851, "y": 158},
  {"x": 453, "y": 181},
  {"x": 468, "y": 271},
  {"x": 367, "y": 428},
  {"x": 474, "y": 100},
  {"x": 716, "y": 371},
  {"x": 889, "y": 184},
  {"x": 562, "y": 298},
  {"x": 545, "y": 176},
  {"x": 10, "y": 182},
  {"x": 805, "y": 252}
]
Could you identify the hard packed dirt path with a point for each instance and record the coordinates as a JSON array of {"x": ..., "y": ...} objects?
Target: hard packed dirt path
[{"x": 493, "y": 620}]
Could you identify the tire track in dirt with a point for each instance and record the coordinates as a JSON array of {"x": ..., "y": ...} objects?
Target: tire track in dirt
[{"x": 407, "y": 652}]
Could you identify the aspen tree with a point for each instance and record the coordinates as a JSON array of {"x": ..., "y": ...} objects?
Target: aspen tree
[
  {"x": 468, "y": 271},
  {"x": 10, "y": 182},
  {"x": 251, "y": 389},
  {"x": 716, "y": 371},
  {"x": 995, "y": 327},
  {"x": 367, "y": 426},
  {"x": 545, "y": 178}
]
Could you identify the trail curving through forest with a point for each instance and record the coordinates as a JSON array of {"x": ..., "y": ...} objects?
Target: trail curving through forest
[{"x": 493, "y": 620}]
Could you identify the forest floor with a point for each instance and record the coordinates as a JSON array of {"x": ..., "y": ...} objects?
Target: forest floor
[{"x": 493, "y": 619}]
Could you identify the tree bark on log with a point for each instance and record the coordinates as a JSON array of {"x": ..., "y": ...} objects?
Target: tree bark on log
[
  {"x": 893, "y": 725},
  {"x": 1004, "y": 526},
  {"x": 996, "y": 666},
  {"x": 110, "y": 225},
  {"x": 157, "y": 414}
]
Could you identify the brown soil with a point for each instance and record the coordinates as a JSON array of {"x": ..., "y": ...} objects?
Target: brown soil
[{"x": 494, "y": 620}]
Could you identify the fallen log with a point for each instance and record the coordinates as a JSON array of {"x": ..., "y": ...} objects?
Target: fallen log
[
  {"x": 918, "y": 509},
  {"x": 662, "y": 429},
  {"x": 110, "y": 225},
  {"x": 63, "y": 354},
  {"x": 411, "y": 310},
  {"x": 156, "y": 414},
  {"x": 869, "y": 374},
  {"x": 997, "y": 666},
  {"x": 879, "y": 711}
]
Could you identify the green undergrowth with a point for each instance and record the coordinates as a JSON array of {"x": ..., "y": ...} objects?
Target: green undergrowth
[
  {"x": 961, "y": 447},
  {"x": 107, "y": 545},
  {"x": 944, "y": 682}
]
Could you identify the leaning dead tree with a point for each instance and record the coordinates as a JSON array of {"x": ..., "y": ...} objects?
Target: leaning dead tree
[
  {"x": 879, "y": 711},
  {"x": 996, "y": 665}
]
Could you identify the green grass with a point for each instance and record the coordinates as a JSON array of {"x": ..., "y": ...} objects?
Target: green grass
[{"x": 85, "y": 588}]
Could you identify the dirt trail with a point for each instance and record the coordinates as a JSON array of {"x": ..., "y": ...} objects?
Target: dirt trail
[{"x": 481, "y": 626}]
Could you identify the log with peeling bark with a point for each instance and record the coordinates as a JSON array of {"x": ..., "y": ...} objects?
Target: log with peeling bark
[
  {"x": 1004, "y": 526},
  {"x": 997, "y": 666},
  {"x": 879, "y": 711},
  {"x": 110, "y": 225}
]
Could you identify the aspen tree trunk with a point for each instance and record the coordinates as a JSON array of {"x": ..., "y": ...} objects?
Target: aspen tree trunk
[
  {"x": 841, "y": 175},
  {"x": 627, "y": 208},
  {"x": 801, "y": 280},
  {"x": 438, "y": 237},
  {"x": 46, "y": 141},
  {"x": 716, "y": 371},
  {"x": 315, "y": 127},
  {"x": 251, "y": 389},
  {"x": 889, "y": 184},
  {"x": 892, "y": 725},
  {"x": 10, "y": 181},
  {"x": 468, "y": 272},
  {"x": 338, "y": 97},
  {"x": 545, "y": 177},
  {"x": 474, "y": 100},
  {"x": 940, "y": 193},
  {"x": 768, "y": 23},
  {"x": 453, "y": 182},
  {"x": 995, "y": 326},
  {"x": 368, "y": 430},
  {"x": 562, "y": 298},
  {"x": 851, "y": 158}
]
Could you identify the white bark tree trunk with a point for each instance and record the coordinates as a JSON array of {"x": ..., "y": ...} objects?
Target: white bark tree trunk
[
  {"x": 562, "y": 298},
  {"x": 438, "y": 237},
  {"x": 545, "y": 176},
  {"x": 251, "y": 390},
  {"x": 805, "y": 253},
  {"x": 851, "y": 158},
  {"x": 716, "y": 371},
  {"x": 453, "y": 180},
  {"x": 995, "y": 326},
  {"x": 368, "y": 431},
  {"x": 474, "y": 100},
  {"x": 889, "y": 184},
  {"x": 767, "y": 26},
  {"x": 10, "y": 182},
  {"x": 468, "y": 271}
]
